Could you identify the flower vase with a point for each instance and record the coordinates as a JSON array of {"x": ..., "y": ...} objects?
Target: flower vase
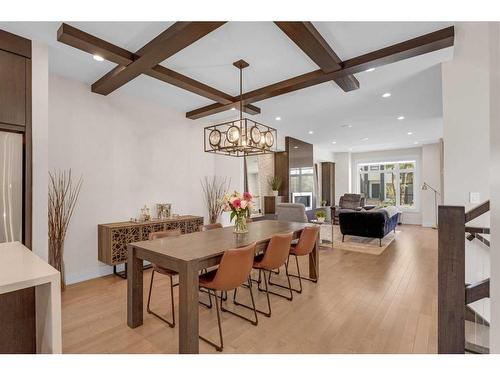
[
  {"x": 56, "y": 260},
  {"x": 240, "y": 224}
]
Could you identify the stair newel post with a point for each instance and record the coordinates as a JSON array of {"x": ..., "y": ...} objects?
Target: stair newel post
[{"x": 451, "y": 280}]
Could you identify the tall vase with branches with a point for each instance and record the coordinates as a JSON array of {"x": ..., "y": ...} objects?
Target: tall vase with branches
[
  {"x": 63, "y": 194},
  {"x": 214, "y": 189}
]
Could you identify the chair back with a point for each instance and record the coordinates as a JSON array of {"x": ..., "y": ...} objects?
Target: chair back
[
  {"x": 351, "y": 201},
  {"x": 277, "y": 251},
  {"x": 291, "y": 212},
  {"x": 206, "y": 227},
  {"x": 307, "y": 240},
  {"x": 234, "y": 268},
  {"x": 165, "y": 233}
]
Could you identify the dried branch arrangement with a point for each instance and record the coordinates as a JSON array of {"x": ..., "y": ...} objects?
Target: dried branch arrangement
[
  {"x": 63, "y": 194},
  {"x": 214, "y": 189}
]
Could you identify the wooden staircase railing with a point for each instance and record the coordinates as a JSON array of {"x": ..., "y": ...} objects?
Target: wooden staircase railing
[{"x": 453, "y": 293}]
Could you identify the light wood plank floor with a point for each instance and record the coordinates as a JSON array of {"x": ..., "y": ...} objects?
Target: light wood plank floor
[{"x": 362, "y": 304}]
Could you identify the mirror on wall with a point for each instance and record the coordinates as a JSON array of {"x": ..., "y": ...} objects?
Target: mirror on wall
[{"x": 258, "y": 170}]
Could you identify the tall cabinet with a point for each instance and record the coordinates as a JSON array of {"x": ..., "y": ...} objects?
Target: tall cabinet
[{"x": 17, "y": 309}]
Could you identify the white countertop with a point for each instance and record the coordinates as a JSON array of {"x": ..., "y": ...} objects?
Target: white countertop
[{"x": 21, "y": 268}]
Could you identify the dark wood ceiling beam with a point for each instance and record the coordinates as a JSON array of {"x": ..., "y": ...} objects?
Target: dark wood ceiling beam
[
  {"x": 177, "y": 37},
  {"x": 414, "y": 47},
  {"x": 310, "y": 41},
  {"x": 88, "y": 43}
]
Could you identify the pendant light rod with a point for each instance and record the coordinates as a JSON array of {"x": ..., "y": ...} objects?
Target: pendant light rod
[{"x": 241, "y": 64}]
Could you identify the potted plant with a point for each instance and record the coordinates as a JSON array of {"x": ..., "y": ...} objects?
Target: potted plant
[
  {"x": 240, "y": 207},
  {"x": 275, "y": 184},
  {"x": 320, "y": 216}
]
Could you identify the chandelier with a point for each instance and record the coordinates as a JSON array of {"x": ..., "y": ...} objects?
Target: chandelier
[{"x": 240, "y": 137}]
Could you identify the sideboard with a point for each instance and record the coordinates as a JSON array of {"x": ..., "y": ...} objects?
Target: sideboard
[{"x": 114, "y": 237}]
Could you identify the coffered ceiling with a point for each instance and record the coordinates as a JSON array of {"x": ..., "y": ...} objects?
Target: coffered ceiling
[{"x": 356, "y": 120}]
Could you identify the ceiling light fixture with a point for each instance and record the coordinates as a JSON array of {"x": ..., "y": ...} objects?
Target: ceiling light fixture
[
  {"x": 415, "y": 143},
  {"x": 310, "y": 132},
  {"x": 364, "y": 139},
  {"x": 233, "y": 109},
  {"x": 401, "y": 118},
  {"x": 386, "y": 95},
  {"x": 370, "y": 70},
  {"x": 277, "y": 118},
  {"x": 410, "y": 133},
  {"x": 240, "y": 137},
  {"x": 98, "y": 58},
  {"x": 334, "y": 143}
]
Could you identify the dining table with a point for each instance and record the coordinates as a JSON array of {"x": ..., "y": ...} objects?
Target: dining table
[{"x": 188, "y": 254}]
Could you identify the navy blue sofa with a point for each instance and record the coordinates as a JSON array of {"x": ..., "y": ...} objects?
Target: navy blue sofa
[{"x": 375, "y": 223}]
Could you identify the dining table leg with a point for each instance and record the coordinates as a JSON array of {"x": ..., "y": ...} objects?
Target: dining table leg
[
  {"x": 134, "y": 289},
  {"x": 314, "y": 261},
  {"x": 188, "y": 308}
]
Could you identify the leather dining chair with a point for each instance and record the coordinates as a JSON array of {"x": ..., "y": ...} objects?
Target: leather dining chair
[
  {"x": 304, "y": 247},
  {"x": 206, "y": 227},
  {"x": 234, "y": 269},
  {"x": 275, "y": 256},
  {"x": 166, "y": 272}
]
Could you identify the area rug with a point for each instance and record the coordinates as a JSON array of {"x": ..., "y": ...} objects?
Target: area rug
[{"x": 358, "y": 244}]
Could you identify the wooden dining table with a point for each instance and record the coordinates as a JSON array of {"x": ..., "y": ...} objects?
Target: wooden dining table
[{"x": 188, "y": 254}]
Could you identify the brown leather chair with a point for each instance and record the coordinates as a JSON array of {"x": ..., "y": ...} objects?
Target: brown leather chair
[
  {"x": 275, "y": 256},
  {"x": 234, "y": 269},
  {"x": 204, "y": 228},
  {"x": 305, "y": 246},
  {"x": 163, "y": 271}
]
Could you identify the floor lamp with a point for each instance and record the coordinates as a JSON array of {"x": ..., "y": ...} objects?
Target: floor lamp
[{"x": 426, "y": 186}]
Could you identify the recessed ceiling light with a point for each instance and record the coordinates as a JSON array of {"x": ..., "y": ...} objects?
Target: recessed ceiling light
[
  {"x": 386, "y": 95},
  {"x": 295, "y": 146},
  {"x": 364, "y": 139},
  {"x": 310, "y": 132},
  {"x": 370, "y": 70},
  {"x": 334, "y": 143},
  {"x": 415, "y": 143},
  {"x": 98, "y": 58},
  {"x": 401, "y": 118},
  {"x": 410, "y": 133},
  {"x": 277, "y": 118},
  {"x": 233, "y": 109}
]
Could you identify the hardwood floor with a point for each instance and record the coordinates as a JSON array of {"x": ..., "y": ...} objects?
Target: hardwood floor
[{"x": 362, "y": 304}]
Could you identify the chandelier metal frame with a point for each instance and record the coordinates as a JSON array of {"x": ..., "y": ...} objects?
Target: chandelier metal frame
[{"x": 240, "y": 137}]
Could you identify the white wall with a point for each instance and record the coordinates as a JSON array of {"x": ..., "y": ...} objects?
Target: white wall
[
  {"x": 130, "y": 153},
  {"x": 343, "y": 182},
  {"x": 40, "y": 103},
  {"x": 466, "y": 129},
  {"x": 495, "y": 185},
  {"x": 431, "y": 174}
]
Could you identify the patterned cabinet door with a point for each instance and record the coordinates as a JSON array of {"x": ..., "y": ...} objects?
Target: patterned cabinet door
[
  {"x": 193, "y": 225},
  {"x": 147, "y": 229},
  {"x": 120, "y": 238}
]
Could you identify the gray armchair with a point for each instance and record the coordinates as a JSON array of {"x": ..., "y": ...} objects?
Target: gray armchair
[
  {"x": 347, "y": 202},
  {"x": 291, "y": 212}
]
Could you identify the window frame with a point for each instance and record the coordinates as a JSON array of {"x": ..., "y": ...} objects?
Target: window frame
[{"x": 397, "y": 174}]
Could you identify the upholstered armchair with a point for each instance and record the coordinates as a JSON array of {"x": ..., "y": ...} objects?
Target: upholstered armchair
[{"x": 347, "y": 202}]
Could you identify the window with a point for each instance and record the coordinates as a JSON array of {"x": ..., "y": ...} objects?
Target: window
[
  {"x": 301, "y": 179},
  {"x": 388, "y": 183}
]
